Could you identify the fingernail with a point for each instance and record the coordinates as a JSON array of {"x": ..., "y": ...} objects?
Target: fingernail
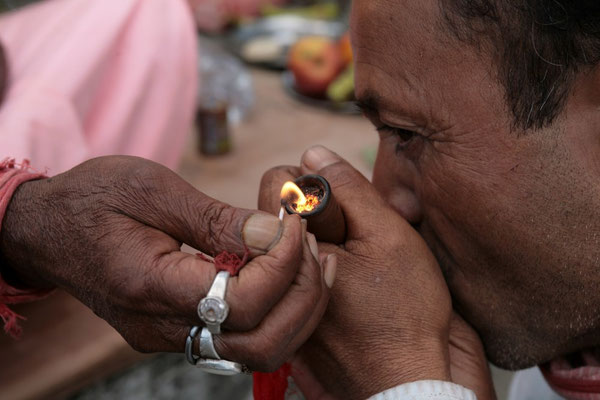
[
  {"x": 330, "y": 270},
  {"x": 314, "y": 248},
  {"x": 319, "y": 157},
  {"x": 261, "y": 233}
]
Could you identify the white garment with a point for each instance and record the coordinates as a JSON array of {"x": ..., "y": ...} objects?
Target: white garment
[
  {"x": 426, "y": 390},
  {"x": 531, "y": 385}
]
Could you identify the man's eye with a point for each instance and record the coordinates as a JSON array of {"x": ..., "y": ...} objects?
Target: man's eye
[{"x": 404, "y": 136}]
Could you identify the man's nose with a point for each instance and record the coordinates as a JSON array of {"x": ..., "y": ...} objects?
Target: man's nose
[
  {"x": 406, "y": 203},
  {"x": 397, "y": 186}
]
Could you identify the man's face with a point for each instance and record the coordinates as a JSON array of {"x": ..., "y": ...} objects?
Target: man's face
[{"x": 509, "y": 214}]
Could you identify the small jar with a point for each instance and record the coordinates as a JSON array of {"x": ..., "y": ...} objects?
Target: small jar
[{"x": 213, "y": 129}]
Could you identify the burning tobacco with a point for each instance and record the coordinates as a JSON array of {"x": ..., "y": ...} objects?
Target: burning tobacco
[
  {"x": 301, "y": 200},
  {"x": 310, "y": 196}
]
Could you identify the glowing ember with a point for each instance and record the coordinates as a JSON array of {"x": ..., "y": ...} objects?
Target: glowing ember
[{"x": 300, "y": 202}]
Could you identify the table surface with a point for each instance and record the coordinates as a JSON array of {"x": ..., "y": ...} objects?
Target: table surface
[{"x": 65, "y": 346}]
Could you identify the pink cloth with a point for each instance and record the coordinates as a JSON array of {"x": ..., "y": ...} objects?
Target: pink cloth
[
  {"x": 212, "y": 15},
  {"x": 576, "y": 377},
  {"x": 90, "y": 78},
  {"x": 11, "y": 176}
]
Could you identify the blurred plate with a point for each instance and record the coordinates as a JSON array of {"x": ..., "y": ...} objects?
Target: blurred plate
[
  {"x": 266, "y": 42},
  {"x": 289, "y": 84}
]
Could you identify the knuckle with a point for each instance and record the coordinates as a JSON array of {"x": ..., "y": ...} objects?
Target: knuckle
[
  {"x": 340, "y": 174},
  {"x": 127, "y": 291},
  {"x": 137, "y": 341},
  {"x": 266, "y": 358},
  {"x": 276, "y": 174},
  {"x": 310, "y": 284},
  {"x": 227, "y": 350},
  {"x": 270, "y": 186},
  {"x": 215, "y": 218},
  {"x": 269, "y": 176},
  {"x": 271, "y": 366},
  {"x": 248, "y": 321},
  {"x": 250, "y": 316}
]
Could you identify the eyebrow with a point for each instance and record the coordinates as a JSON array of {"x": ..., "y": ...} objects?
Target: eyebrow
[{"x": 369, "y": 102}]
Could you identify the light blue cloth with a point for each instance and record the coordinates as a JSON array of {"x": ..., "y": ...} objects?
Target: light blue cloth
[{"x": 529, "y": 384}]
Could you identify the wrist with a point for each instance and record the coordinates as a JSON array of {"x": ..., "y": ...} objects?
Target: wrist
[
  {"x": 392, "y": 365},
  {"x": 18, "y": 235},
  {"x": 431, "y": 363}
]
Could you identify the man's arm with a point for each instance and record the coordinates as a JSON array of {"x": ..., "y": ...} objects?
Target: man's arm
[{"x": 109, "y": 232}]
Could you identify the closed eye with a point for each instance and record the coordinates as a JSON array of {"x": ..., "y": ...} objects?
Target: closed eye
[{"x": 404, "y": 136}]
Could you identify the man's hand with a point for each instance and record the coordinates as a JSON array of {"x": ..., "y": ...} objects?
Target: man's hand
[
  {"x": 109, "y": 232},
  {"x": 468, "y": 364},
  {"x": 388, "y": 319}
]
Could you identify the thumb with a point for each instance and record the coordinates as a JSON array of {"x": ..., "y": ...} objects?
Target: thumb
[
  {"x": 159, "y": 198},
  {"x": 365, "y": 210}
]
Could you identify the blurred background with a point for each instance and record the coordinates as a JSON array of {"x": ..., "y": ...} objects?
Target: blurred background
[{"x": 275, "y": 78}]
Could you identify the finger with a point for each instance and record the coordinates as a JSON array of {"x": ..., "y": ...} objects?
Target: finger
[
  {"x": 328, "y": 271},
  {"x": 269, "y": 196},
  {"x": 169, "y": 283},
  {"x": 312, "y": 243},
  {"x": 265, "y": 280},
  {"x": 307, "y": 382},
  {"x": 261, "y": 349},
  {"x": 365, "y": 210},
  {"x": 157, "y": 197},
  {"x": 289, "y": 324}
]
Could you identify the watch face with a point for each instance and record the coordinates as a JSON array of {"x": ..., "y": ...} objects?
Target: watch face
[{"x": 213, "y": 310}]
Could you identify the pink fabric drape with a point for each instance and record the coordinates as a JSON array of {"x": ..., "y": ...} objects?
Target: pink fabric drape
[{"x": 91, "y": 78}]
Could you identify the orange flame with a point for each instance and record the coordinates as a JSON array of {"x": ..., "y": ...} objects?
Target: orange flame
[{"x": 299, "y": 201}]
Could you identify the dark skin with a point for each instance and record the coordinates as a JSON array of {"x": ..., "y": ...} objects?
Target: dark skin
[
  {"x": 511, "y": 216},
  {"x": 389, "y": 320},
  {"x": 109, "y": 232}
]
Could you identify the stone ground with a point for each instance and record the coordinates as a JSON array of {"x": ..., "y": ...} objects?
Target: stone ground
[{"x": 168, "y": 377}]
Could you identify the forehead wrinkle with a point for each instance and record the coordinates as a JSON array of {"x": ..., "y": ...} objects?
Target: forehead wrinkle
[
  {"x": 403, "y": 59},
  {"x": 371, "y": 11},
  {"x": 393, "y": 94},
  {"x": 383, "y": 36}
]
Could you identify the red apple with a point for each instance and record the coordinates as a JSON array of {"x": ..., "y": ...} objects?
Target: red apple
[
  {"x": 315, "y": 62},
  {"x": 346, "y": 49}
]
